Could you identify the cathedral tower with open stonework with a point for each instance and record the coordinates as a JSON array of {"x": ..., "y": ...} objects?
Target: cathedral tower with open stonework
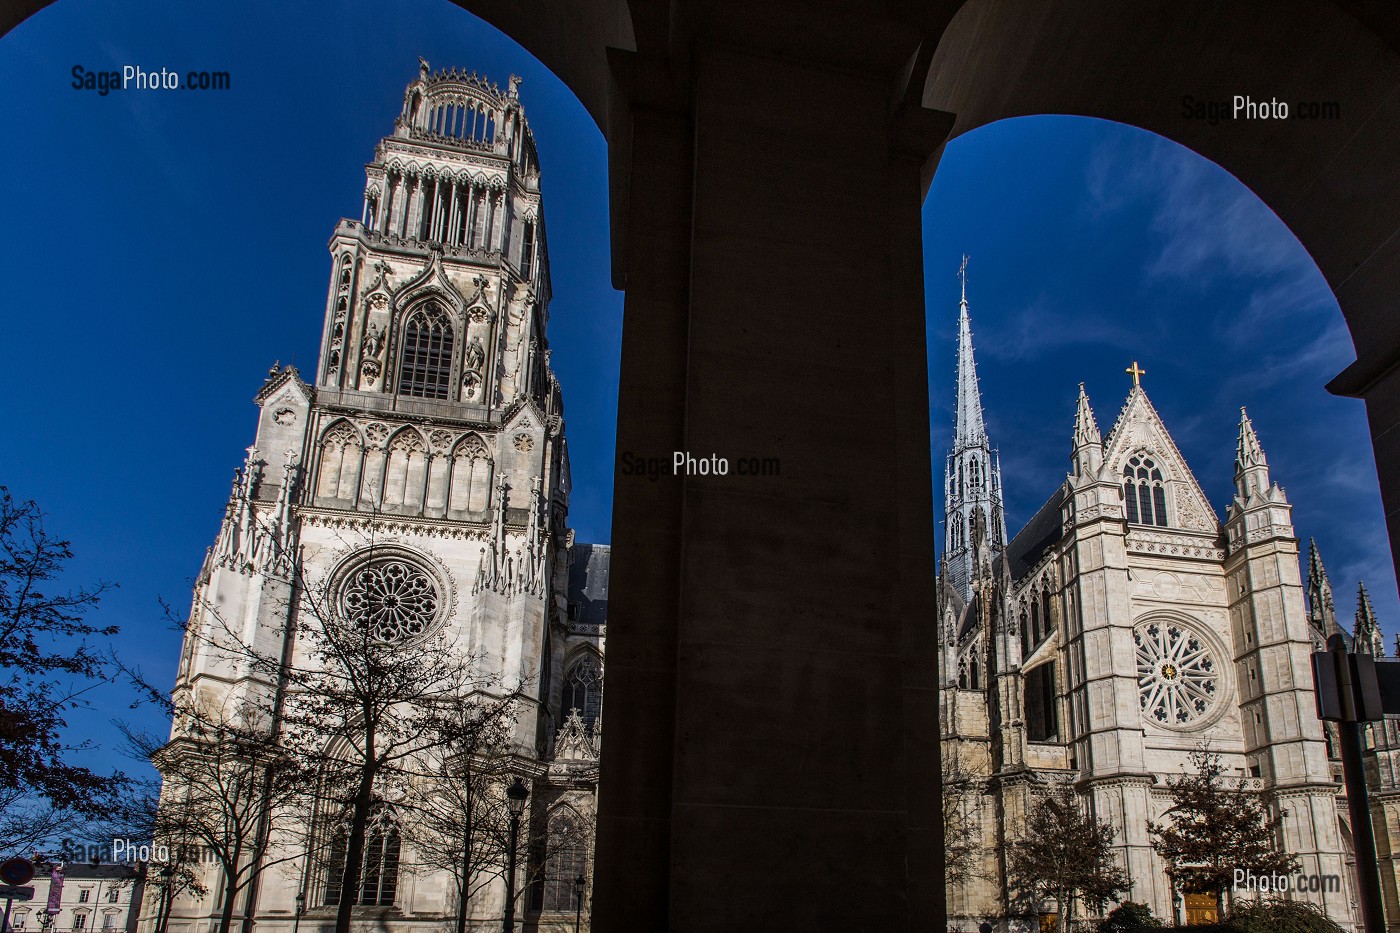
[
  {"x": 1122, "y": 628},
  {"x": 418, "y": 480}
]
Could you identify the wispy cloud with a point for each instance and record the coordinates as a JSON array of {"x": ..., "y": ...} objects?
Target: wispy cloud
[
  {"x": 1043, "y": 328},
  {"x": 1313, "y": 361},
  {"x": 1204, "y": 222}
]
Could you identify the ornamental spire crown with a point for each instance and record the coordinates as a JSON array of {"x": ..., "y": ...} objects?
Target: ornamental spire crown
[
  {"x": 1321, "y": 612},
  {"x": 1088, "y": 443},
  {"x": 1367, "y": 633},
  {"x": 1251, "y": 467}
]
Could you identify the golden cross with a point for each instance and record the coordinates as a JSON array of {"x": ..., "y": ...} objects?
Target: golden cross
[{"x": 1136, "y": 372}]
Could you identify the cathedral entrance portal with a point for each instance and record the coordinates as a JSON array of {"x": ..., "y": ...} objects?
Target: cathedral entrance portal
[{"x": 1202, "y": 908}]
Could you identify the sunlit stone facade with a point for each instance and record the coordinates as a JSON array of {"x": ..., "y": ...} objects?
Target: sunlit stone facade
[
  {"x": 432, "y": 429},
  {"x": 1123, "y": 627}
]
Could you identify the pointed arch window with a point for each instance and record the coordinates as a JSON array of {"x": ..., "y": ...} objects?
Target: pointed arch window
[
  {"x": 583, "y": 691},
  {"x": 425, "y": 370},
  {"x": 379, "y": 870},
  {"x": 567, "y": 861},
  {"x": 340, "y": 464},
  {"x": 471, "y": 476},
  {"x": 1144, "y": 492},
  {"x": 405, "y": 472}
]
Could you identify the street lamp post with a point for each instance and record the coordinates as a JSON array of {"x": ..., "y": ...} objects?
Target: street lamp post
[
  {"x": 301, "y": 909},
  {"x": 516, "y": 795},
  {"x": 166, "y": 901},
  {"x": 579, "y": 882}
]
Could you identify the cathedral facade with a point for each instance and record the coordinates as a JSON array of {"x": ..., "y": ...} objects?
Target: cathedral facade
[
  {"x": 419, "y": 481},
  {"x": 1124, "y": 627}
]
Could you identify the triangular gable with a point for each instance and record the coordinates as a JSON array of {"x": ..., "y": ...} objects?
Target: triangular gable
[
  {"x": 1138, "y": 428},
  {"x": 432, "y": 280},
  {"x": 523, "y": 404},
  {"x": 277, "y": 380}
]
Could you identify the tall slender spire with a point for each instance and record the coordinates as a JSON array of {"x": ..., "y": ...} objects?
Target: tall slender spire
[
  {"x": 970, "y": 428},
  {"x": 1368, "y": 631},
  {"x": 972, "y": 480}
]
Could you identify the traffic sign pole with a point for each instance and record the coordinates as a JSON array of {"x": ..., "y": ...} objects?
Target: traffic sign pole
[{"x": 1346, "y": 689}]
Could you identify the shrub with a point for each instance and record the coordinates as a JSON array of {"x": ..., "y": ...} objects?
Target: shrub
[
  {"x": 1129, "y": 917},
  {"x": 1281, "y": 917}
]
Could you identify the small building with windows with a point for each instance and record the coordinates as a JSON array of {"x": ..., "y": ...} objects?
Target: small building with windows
[
  {"x": 418, "y": 481},
  {"x": 1124, "y": 626},
  {"x": 89, "y": 898}
]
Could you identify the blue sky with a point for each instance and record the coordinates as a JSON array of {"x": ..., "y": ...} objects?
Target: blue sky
[{"x": 162, "y": 249}]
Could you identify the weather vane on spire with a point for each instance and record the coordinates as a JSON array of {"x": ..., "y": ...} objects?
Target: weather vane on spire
[
  {"x": 1136, "y": 372},
  {"x": 962, "y": 277}
]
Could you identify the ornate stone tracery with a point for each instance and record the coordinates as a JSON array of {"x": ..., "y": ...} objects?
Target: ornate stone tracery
[
  {"x": 1178, "y": 673},
  {"x": 391, "y": 592}
]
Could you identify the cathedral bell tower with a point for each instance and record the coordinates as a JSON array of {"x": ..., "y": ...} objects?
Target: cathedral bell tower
[
  {"x": 432, "y": 430},
  {"x": 1275, "y": 636},
  {"x": 972, "y": 476}
]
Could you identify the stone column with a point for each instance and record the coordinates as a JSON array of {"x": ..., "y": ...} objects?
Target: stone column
[
  {"x": 498, "y": 219},
  {"x": 396, "y": 214},
  {"x": 771, "y": 760},
  {"x": 452, "y": 215},
  {"x": 415, "y": 207}
]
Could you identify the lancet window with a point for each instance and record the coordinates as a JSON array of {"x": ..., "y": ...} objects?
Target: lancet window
[
  {"x": 405, "y": 471},
  {"x": 1144, "y": 492},
  {"x": 583, "y": 691},
  {"x": 425, "y": 370},
  {"x": 471, "y": 476},
  {"x": 566, "y": 863},
  {"x": 379, "y": 870},
  {"x": 340, "y": 464}
]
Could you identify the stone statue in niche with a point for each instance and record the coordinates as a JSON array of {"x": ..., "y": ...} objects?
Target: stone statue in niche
[
  {"x": 370, "y": 364},
  {"x": 476, "y": 356},
  {"x": 373, "y": 341}
]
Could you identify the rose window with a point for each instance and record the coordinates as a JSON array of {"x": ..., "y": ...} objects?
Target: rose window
[
  {"x": 393, "y": 599},
  {"x": 1178, "y": 677}
]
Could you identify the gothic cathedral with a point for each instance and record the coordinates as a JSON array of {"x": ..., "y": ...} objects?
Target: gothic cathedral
[
  {"x": 420, "y": 479},
  {"x": 1123, "y": 627}
]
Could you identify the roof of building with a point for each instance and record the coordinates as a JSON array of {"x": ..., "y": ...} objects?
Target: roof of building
[
  {"x": 86, "y": 871},
  {"x": 588, "y": 583},
  {"x": 1041, "y": 533}
]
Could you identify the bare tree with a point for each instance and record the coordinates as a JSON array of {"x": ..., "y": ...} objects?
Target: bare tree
[
  {"x": 458, "y": 811},
  {"x": 47, "y": 664},
  {"x": 461, "y": 826},
  {"x": 233, "y": 795},
  {"x": 962, "y": 830},
  {"x": 365, "y": 705}
]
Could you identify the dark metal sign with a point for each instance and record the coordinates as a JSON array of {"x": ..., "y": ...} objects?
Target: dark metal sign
[{"x": 15, "y": 871}]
